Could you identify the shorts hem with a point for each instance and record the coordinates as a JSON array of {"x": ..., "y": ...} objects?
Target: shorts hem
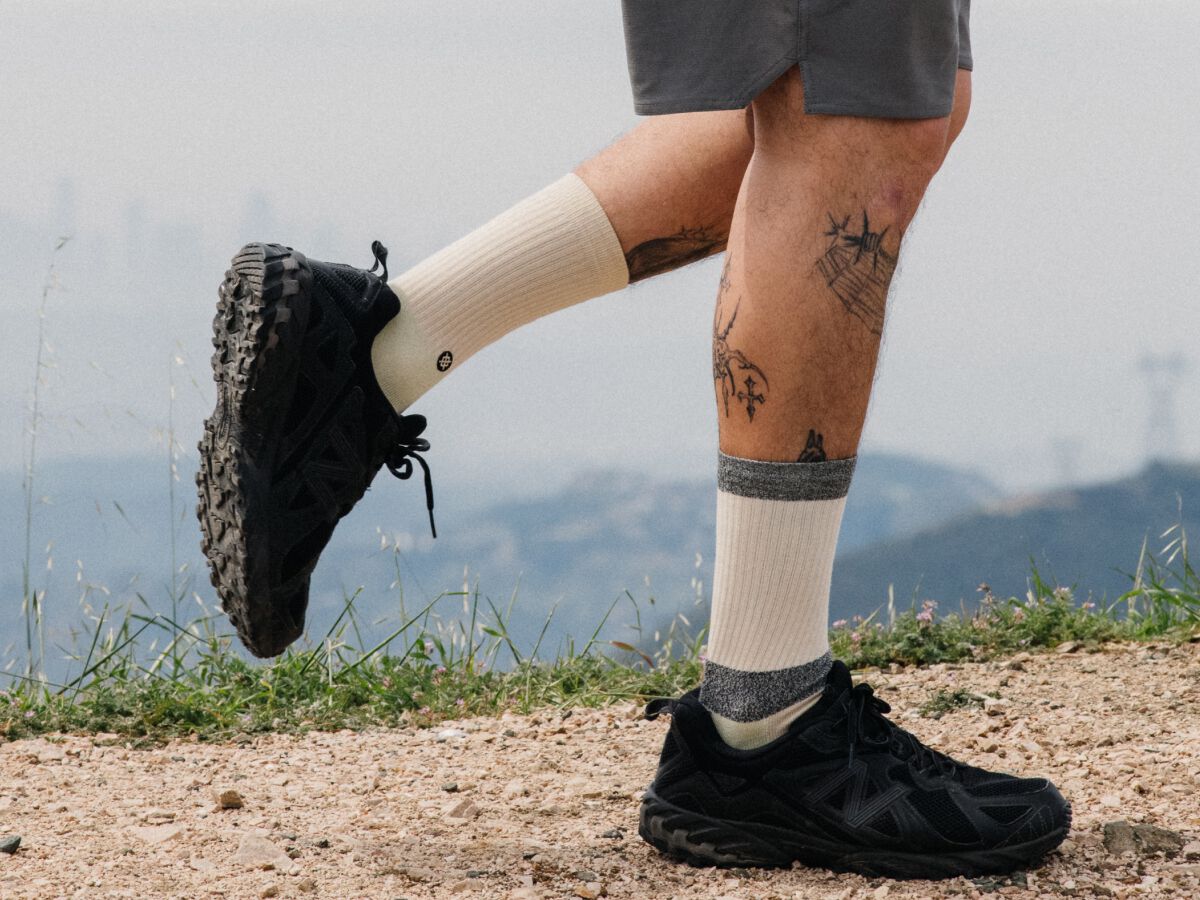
[
  {"x": 815, "y": 107},
  {"x": 712, "y": 104},
  {"x": 876, "y": 112}
]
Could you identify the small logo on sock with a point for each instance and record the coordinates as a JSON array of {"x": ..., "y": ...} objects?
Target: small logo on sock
[{"x": 445, "y": 361}]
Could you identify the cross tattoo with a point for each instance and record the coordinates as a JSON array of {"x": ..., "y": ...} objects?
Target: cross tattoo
[{"x": 750, "y": 398}]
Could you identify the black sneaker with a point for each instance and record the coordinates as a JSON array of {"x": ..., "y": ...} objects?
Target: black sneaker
[
  {"x": 300, "y": 429},
  {"x": 844, "y": 789}
]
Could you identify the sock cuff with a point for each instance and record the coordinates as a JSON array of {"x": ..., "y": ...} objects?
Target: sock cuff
[
  {"x": 749, "y": 696},
  {"x": 764, "y": 480},
  {"x": 598, "y": 239}
]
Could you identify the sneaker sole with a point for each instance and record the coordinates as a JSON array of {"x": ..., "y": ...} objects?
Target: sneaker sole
[
  {"x": 702, "y": 841},
  {"x": 262, "y": 312}
]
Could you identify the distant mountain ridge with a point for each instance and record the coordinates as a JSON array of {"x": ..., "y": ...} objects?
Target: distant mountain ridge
[
  {"x": 927, "y": 529},
  {"x": 1087, "y": 537},
  {"x": 584, "y": 545}
]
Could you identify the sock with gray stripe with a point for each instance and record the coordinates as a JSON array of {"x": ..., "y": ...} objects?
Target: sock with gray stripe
[{"x": 768, "y": 647}]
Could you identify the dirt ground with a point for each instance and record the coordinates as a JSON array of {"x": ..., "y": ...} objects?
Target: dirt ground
[{"x": 546, "y": 805}]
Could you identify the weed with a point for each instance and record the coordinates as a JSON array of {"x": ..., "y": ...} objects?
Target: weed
[{"x": 943, "y": 702}]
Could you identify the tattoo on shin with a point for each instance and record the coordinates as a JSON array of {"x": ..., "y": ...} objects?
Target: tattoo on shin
[
  {"x": 858, "y": 269},
  {"x": 729, "y": 367},
  {"x": 666, "y": 253},
  {"x": 814, "y": 448}
]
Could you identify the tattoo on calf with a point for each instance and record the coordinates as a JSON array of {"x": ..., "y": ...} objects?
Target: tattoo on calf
[
  {"x": 664, "y": 254},
  {"x": 814, "y": 448},
  {"x": 730, "y": 364},
  {"x": 858, "y": 269}
]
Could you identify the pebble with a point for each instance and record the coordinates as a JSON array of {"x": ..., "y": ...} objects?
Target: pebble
[
  {"x": 450, "y": 787},
  {"x": 464, "y": 809},
  {"x": 10, "y": 843},
  {"x": 269, "y": 891},
  {"x": 230, "y": 799},
  {"x": 306, "y": 886},
  {"x": 157, "y": 834},
  {"x": 1120, "y": 837},
  {"x": 515, "y": 788},
  {"x": 449, "y": 734},
  {"x": 257, "y": 852}
]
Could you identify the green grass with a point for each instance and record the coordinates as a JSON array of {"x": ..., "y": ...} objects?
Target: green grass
[
  {"x": 947, "y": 701},
  {"x": 148, "y": 679}
]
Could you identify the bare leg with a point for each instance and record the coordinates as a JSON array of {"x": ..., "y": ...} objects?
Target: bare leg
[
  {"x": 669, "y": 187},
  {"x": 814, "y": 241}
]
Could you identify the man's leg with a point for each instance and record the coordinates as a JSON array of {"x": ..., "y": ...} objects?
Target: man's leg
[
  {"x": 814, "y": 242},
  {"x": 659, "y": 198}
]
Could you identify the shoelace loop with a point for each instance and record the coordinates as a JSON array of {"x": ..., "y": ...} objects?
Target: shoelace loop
[
  {"x": 400, "y": 463},
  {"x": 380, "y": 253},
  {"x": 660, "y": 705}
]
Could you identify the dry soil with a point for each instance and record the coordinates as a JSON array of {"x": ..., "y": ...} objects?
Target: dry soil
[{"x": 546, "y": 805}]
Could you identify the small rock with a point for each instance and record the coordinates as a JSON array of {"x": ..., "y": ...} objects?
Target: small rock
[
  {"x": 323, "y": 843},
  {"x": 449, "y": 734},
  {"x": 515, "y": 788},
  {"x": 994, "y": 706},
  {"x": 269, "y": 891},
  {"x": 450, "y": 787},
  {"x": 1121, "y": 837},
  {"x": 1015, "y": 665},
  {"x": 306, "y": 886},
  {"x": 10, "y": 843},
  {"x": 418, "y": 875},
  {"x": 157, "y": 834},
  {"x": 588, "y": 891},
  {"x": 463, "y": 809},
  {"x": 258, "y": 853},
  {"x": 1067, "y": 647},
  {"x": 229, "y": 799},
  {"x": 586, "y": 875},
  {"x": 523, "y": 893},
  {"x": 615, "y": 834},
  {"x": 463, "y": 885},
  {"x": 1191, "y": 850}
]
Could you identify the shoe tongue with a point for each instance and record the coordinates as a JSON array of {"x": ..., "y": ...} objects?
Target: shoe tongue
[{"x": 838, "y": 681}]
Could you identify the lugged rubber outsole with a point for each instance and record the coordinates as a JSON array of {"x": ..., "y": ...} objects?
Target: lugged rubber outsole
[
  {"x": 262, "y": 311},
  {"x": 702, "y": 841}
]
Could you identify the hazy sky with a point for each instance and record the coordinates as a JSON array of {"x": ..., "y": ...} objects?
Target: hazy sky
[{"x": 1058, "y": 245}]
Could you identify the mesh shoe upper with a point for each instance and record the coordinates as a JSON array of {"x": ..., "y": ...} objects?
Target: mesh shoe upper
[{"x": 846, "y": 775}]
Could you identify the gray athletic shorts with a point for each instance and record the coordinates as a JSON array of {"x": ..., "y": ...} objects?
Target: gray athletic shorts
[{"x": 880, "y": 58}]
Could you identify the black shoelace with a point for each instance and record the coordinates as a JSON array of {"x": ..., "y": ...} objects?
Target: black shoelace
[
  {"x": 410, "y": 447},
  {"x": 380, "y": 253},
  {"x": 400, "y": 463},
  {"x": 862, "y": 705}
]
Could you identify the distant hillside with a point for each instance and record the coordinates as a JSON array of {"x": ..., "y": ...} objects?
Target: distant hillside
[
  {"x": 602, "y": 534},
  {"x": 1083, "y": 537}
]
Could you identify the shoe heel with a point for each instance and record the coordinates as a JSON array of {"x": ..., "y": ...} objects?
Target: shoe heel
[{"x": 702, "y": 841}]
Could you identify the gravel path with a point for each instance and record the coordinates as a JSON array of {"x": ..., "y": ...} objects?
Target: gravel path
[{"x": 545, "y": 805}]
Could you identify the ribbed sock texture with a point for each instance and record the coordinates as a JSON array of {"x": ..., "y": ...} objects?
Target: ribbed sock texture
[
  {"x": 768, "y": 648},
  {"x": 550, "y": 251}
]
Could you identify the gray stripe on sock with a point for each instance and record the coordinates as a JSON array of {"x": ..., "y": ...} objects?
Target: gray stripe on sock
[
  {"x": 750, "y": 696},
  {"x": 760, "y": 480}
]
